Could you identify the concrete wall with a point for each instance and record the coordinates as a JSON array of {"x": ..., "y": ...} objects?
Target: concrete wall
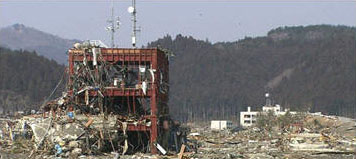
[{"x": 220, "y": 124}]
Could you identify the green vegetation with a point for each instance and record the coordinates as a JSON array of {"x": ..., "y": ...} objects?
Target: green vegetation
[
  {"x": 305, "y": 68},
  {"x": 268, "y": 121},
  {"x": 26, "y": 79}
]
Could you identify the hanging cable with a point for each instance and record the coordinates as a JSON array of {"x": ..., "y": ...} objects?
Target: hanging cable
[{"x": 54, "y": 90}]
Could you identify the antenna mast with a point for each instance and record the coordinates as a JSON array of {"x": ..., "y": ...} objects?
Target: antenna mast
[
  {"x": 112, "y": 25},
  {"x": 132, "y": 10}
]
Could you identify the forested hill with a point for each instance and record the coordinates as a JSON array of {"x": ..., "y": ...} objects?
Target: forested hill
[
  {"x": 19, "y": 36},
  {"x": 305, "y": 68},
  {"x": 26, "y": 79}
]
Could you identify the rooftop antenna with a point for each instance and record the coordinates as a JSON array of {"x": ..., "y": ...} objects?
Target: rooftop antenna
[
  {"x": 113, "y": 25},
  {"x": 132, "y": 11},
  {"x": 268, "y": 99}
]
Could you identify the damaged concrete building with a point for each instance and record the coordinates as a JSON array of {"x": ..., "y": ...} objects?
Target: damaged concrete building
[
  {"x": 129, "y": 85},
  {"x": 116, "y": 100}
]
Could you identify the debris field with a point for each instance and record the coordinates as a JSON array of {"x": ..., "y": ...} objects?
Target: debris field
[{"x": 115, "y": 106}]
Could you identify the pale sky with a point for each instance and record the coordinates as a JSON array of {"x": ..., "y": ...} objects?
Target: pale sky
[{"x": 216, "y": 20}]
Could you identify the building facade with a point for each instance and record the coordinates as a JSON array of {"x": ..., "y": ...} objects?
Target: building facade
[
  {"x": 220, "y": 124},
  {"x": 249, "y": 118}
]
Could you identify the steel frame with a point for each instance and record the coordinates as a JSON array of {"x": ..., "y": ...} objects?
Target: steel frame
[{"x": 158, "y": 61}]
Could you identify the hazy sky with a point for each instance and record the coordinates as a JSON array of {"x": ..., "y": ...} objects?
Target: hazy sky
[{"x": 216, "y": 20}]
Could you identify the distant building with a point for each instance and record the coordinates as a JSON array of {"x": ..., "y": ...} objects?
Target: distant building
[
  {"x": 275, "y": 109},
  {"x": 221, "y": 124},
  {"x": 248, "y": 118}
]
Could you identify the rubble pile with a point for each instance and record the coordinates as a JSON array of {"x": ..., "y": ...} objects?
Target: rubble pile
[
  {"x": 316, "y": 136},
  {"x": 115, "y": 103},
  {"x": 115, "y": 106},
  {"x": 324, "y": 137}
]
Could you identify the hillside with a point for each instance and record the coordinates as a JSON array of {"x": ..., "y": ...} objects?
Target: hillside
[
  {"x": 305, "y": 68},
  {"x": 19, "y": 36},
  {"x": 26, "y": 79}
]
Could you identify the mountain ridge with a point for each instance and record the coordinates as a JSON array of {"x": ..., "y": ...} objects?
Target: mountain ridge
[
  {"x": 304, "y": 67},
  {"x": 19, "y": 36},
  {"x": 226, "y": 77}
]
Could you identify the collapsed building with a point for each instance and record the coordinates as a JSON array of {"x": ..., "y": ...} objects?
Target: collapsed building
[
  {"x": 129, "y": 85},
  {"x": 116, "y": 100}
]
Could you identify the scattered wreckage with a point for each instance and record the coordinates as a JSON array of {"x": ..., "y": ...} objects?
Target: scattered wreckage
[
  {"x": 314, "y": 136},
  {"x": 116, "y": 101},
  {"x": 115, "y": 106}
]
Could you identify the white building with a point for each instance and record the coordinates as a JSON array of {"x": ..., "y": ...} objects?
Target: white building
[
  {"x": 249, "y": 117},
  {"x": 221, "y": 124},
  {"x": 275, "y": 109}
]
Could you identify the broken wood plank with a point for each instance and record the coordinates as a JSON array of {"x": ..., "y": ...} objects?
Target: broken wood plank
[{"x": 181, "y": 152}]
